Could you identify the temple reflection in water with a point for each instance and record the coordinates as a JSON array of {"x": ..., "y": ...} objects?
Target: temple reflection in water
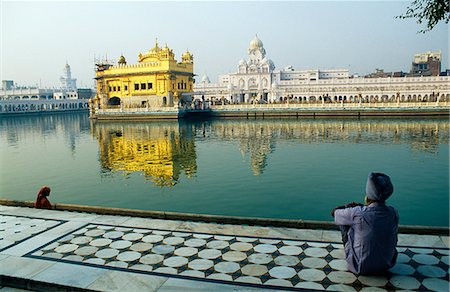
[{"x": 163, "y": 150}]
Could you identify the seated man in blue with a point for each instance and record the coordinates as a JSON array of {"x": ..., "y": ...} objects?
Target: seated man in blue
[{"x": 369, "y": 232}]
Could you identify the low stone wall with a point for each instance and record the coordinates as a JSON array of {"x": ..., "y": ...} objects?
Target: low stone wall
[{"x": 288, "y": 223}]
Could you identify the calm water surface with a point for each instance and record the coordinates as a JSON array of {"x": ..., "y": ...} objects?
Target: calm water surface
[{"x": 284, "y": 168}]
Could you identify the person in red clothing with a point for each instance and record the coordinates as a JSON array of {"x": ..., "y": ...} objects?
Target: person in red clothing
[{"x": 41, "y": 201}]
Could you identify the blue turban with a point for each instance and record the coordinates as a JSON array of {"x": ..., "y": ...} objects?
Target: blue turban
[{"x": 379, "y": 187}]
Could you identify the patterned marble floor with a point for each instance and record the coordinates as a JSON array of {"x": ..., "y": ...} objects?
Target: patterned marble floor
[
  {"x": 241, "y": 260},
  {"x": 15, "y": 229}
]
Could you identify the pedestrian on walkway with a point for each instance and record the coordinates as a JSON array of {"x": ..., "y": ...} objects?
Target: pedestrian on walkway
[
  {"x": 369, "y": 232},
  {"x": 41, "y": 201}
]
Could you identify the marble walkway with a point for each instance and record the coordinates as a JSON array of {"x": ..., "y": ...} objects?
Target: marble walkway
[{"x": 120, "y": 253}]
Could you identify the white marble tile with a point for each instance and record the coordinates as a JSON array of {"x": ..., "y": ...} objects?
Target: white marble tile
[
  {"x": 120, "y": 244},
  {"x": 176, "y": 285},
  {"x": 117, "y": 264},
  {"x": 175, "y": 261},
  {"x": 309, "y": 285},
  {"x": 113, "y": 234},
  {"x": 340, "y": 265},
  {"x": 278, "y": 282},
  {"x": 254, "y": 270},
  {"x": 121, "y": 281},
  {"x": 445, "y": 240},
  {"x": 282, "y": 272},
  {"x": 422, "y": 250},
  {"x": 312, "y": 275},
  {"x": 209, "y": 254},
  {"x": 403, "y": 258},
  {"x": 186, "y": 251},
  {"x": 402, "y": 269},
  {"x": 173, "y": 240},
  {"x": 66, "y": 248},
  {"x": 340, "y": 287},
  {"x": 151, "y": 223},
  {"x": 217, "y": 244},
  {"x": 249, "y": 279},
  {"x": 316, "y": 252},
  {"x": 241, "y": 246},
  {"x": 200, "y": 264},
  {"x": 100, "y": 242},
  {"x": 86, "y": 250},
  {"x": 436, "y": 284},
  {"x": 141, "y": 246},
  {"x": 331, "y": 236},
  {"x": 315, "y": 263},
  {"x": 163, "y": 249},
  {"x": 153, "y": 238},
  {"x": 234, "y": 256},
  {"x": 260, "y": 258},
  {"x": 22, "y": 267},
  {"x": 287, "y": 261},
  {"x": 107, "y": 253},
  {"x": 226, "y": 267},
  {"x": 42, "y": 239},
  {"x": 338, "y": 253},
  {"x": 220, "y": 276},
  {"x": 341, "y": 277},
  {"x": 425, "y": 259},
  {"x": 290, "y": 250},
  {"x": 265, "y": 248},
  {"x": 374, "y": 281},
  {"x": 420, "y": 240},
  {"x": 431, "y": 271},
  {"x": 195, "y": 242},
  {"x": 151, "y": 259},
  {"x": 128, "y": 256},
  {"x": 405, "y": 282},
  {"x": 71, "y": 275}
]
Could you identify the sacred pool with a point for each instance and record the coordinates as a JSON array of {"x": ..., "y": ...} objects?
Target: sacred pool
[{"x": 275, "y": 168}]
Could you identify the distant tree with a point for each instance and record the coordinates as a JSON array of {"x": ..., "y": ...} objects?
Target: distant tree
[{"x": 429, "y": 12}]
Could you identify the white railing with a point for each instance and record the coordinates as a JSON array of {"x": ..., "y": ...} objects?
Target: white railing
[{"x": 289, "y": 106}]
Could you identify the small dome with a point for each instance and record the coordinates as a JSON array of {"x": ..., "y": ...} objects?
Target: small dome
[
  {"x": 256, "y": 43},
  {"x": 122, "y": 60},
  {"x": 242, "y": 62}
]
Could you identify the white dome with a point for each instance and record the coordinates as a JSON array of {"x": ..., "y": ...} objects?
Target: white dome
[
  {"x": 242, "y": 62},
  {"x": 256, "y": 43}
]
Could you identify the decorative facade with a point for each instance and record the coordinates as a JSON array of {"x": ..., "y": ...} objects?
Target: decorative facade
[
  {"x": 258, "y": 81},
  {"x": 157, "y": 80}
]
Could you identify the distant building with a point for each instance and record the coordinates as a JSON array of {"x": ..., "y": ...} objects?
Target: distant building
[
  {"x": 158, "y": 80},
  {"x": 257, "y": 80},
  {"x": 379, "y": 73},
  {"x": 427, "y": 64},
  {"x": 7, "y": 84}
]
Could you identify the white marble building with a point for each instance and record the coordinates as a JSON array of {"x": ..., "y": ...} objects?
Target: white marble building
[{"x": 258, "y": 81}]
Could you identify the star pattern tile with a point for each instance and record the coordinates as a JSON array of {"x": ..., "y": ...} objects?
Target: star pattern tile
[{"x": 260, "y": 262}]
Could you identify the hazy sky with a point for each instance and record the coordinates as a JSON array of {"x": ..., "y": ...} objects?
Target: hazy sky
[{"x": 37, "y": 38}]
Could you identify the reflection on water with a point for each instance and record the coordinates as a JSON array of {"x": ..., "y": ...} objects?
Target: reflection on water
[
  {"x": 18, "y": 129},
  {"x": 279, "y": 168},
  {"x": 160, "y": 151}
]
